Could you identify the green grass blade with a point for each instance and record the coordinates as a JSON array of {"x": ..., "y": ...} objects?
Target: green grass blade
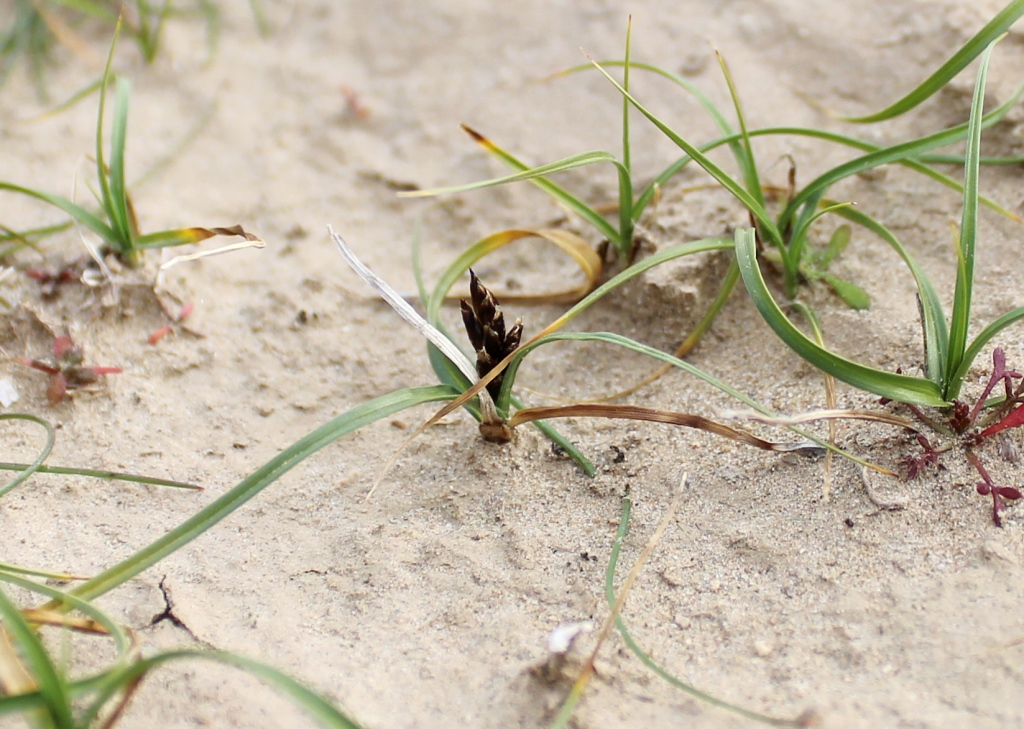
[
  {"x": 89, "y": 7},
  {"x": 537, "y": 175},
  {"x": 959, "y": 60},
  {"x": 626, "y": 65},
  {"x": 895, "y": 153},
  {"x": 63, "y": 106},
  {"x": 258, "y": 480},
  {"x": 101, "y": 159},
  {"x": 309, "y": 701},
  {"x": 915, "y": 163},
  {"x": 33, "y": 700},
  {"x": 117, "y": 205},
  {"x": 44, "y": 452},
  {"x": 29, "y": 238},
  {"x": 83, "y": 216},
  {"x": 551, "y": 188},
  {"x": 958, "y": 160},
  {"x": 93, "y": 473},
  {"x": 167, "y": 239},
  {"x": 51, "y": 686},
  {"x": 915, "y": 390},
  {"x": 757, "y": 210},
  {"x": 562, "y": 442},
  {"x": 699, "y": 96},
  {"x": 626, "y": 343},
  {"x": 625, "y": 245},
  {"x": 120, "y": 637},
  {"x": 933, "y": 320},
  {"x": 262, "y": 24},
  {"x": 609, "y": 591},
  {"x": 15, "y": 569},
  {"x": 960, "y": 318},
  {"x": 683, "y": 249},
  {"x": 749, "y": 164}
]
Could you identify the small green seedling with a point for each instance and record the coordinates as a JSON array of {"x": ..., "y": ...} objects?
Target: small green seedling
[
  {"x": 116, "y": 225},
  {"x": 815, "y": 268},
  {"x": 630, "y": 206}
]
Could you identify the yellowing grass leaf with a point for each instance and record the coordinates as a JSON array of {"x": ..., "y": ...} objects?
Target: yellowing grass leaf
[{"x": 578, "y": 249}]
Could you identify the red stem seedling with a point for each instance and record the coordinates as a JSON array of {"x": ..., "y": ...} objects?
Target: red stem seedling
[
  {"x": 66, "y": 370},
  {"x": 987, "y": 487},
  {"x": 166, "y": 329},
  {"x": 962, "y": 418},
  {"x": 50, "y": 280}
]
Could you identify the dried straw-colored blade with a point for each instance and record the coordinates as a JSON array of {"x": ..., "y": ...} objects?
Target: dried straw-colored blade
[
  {"x": 14, "y": 677},
  {"x": 655, "y": 415},
  {"x": 402, "y": 307},
  {"x": 49, "y": 617},
  {"x": 818, "y": 415},
  {"x": 577, "y": 248},
  {"x": 249, "y": 242},
  {"x": 66, "y": 35},
  {"x": 576, "y": 693}
]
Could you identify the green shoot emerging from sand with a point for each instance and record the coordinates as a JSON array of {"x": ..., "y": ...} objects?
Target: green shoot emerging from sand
[{"x": 116, "y": 225}]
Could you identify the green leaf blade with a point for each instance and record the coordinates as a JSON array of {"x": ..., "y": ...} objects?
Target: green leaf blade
[
  {"x": 902, "y": 388},
  {"x": 258, "y": 480},
  {"x": 967, "y": 238},
  {"x": 956, "y": 63}
]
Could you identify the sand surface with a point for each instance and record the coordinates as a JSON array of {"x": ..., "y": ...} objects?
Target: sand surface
[{"x": 427, "y": 605}]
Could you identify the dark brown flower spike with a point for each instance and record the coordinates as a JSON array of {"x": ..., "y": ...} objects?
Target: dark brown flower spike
[{"x": 485, "y": 325}]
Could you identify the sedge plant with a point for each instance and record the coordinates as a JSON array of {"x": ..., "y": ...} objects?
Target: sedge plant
[{"x": 57, "y": 699}]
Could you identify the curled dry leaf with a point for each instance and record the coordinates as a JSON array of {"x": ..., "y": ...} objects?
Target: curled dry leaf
[{"x": 654, "y": 415}]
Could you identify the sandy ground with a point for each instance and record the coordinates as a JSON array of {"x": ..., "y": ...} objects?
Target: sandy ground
[{"x": 427, "y": 605}]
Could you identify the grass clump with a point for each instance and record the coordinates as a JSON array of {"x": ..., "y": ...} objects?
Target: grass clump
[
  {"x": 783, "y": 230},
  {"x": 116, "y": 225},
  {"x": 949, "y": 352}
]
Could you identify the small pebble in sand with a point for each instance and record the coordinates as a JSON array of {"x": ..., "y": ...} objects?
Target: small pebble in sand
[{"x": 764, "y": 647}]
